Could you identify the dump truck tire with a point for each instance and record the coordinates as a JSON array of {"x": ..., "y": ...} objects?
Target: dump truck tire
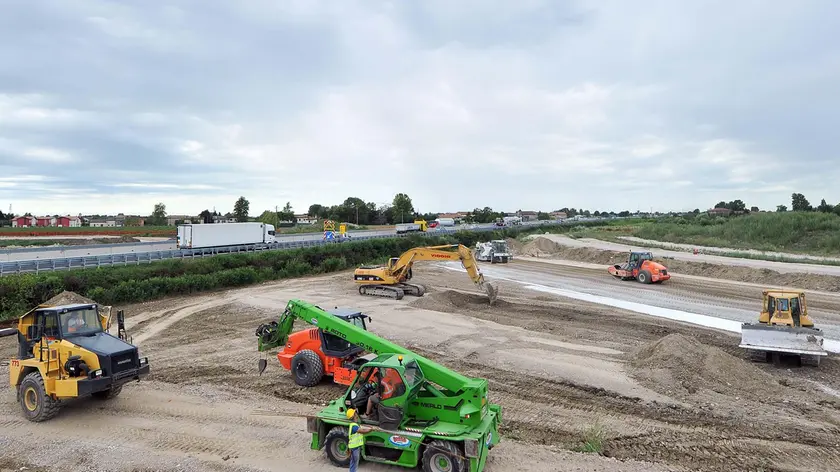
[
  {"x": 443, "y": 456},
  {"x": 107, "y": 394},
  {"x": 335, "y": 445},
  {"x": 307, "y": 368},
  {"x": 37, "y": 406}
]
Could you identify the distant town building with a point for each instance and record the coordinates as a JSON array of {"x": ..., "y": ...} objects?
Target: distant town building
[
  {"x": 527, "y": 215},
  {"x": 58, "y": 221},
  {"x": 718, "y": 211},
  {"x": 305, "y": 219},
  {"x": 558, "y": 215},
  {"x": 457, "y": 216}
]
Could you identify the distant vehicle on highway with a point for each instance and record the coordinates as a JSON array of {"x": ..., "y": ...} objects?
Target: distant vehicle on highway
[{"x": 196, "y": 236}]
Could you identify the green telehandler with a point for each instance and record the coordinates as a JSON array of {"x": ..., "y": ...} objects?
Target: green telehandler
[{"x": 427, "y": 415}]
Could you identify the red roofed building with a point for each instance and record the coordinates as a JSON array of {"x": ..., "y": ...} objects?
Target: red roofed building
[{"x": 45, "y": 221}]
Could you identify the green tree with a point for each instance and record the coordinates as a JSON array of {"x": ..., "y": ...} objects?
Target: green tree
[
  {"x": 270, "y": 218},
  {"x": 837, "y": 209},
  {"x": 287, "y": 214},
  {"x": 318, "y": 211},
  {"x": 403, "y": 207},
  {"x": 825, "y": 207},
  {"x": 800, "y": 203},
  {"x": 206, "y": 216},
  {"x": 241, "y": 209},
  {"x": 781, "y": 208},
  {"x": 158, "y": 216},
  {"x": 545, "y": 216},
  {"x": 754, "y": 209}
]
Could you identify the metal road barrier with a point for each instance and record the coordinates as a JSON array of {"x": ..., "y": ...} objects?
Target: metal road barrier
[{"x": 136, "y": 258}]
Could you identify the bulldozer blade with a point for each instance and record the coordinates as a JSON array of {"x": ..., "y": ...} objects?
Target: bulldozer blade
[
  {"x": 262, "y": 365},
  {"x": 493, "y": 293},
  {"x": 782, "y": 339}
]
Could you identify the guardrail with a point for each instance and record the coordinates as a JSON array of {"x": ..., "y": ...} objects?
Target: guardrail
[{"x": 87, "y": 262}]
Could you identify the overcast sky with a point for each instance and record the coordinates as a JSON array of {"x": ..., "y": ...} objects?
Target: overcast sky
[{"x": 112, "y": 106}]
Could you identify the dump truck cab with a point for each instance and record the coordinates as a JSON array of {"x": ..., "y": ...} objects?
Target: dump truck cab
[
  {"x": 785, "y": 308},
  {"x": 65, "y": 352}
]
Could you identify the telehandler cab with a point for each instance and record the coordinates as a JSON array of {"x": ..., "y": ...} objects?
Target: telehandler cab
[
  {"x": 428, "y": 415},
  {"x": 311, "y": 354},
  {"x": 66, "y": 352}
]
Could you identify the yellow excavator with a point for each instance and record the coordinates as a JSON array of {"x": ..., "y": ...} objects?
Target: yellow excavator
[{"x": 392, "y": 280}]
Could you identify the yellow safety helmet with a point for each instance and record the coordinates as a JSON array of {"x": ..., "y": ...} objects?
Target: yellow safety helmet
[{"x": 351, "y": 413}]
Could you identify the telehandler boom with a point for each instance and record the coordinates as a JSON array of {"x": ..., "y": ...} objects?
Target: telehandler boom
[
  {"x": 391, "y": 280},
  {"x": 427, "y": 414}
]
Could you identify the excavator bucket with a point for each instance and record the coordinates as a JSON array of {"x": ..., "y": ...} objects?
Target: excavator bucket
[{"x": 492, "y": 292}]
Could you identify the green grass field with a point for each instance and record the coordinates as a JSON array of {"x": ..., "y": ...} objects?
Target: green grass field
[{"x": 793, "y": 232}]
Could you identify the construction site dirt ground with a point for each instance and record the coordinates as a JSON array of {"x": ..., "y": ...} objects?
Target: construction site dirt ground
[{"x": 662, "y": 395}]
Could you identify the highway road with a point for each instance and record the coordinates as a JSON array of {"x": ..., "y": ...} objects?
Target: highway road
[{"x": 60, "y": 252}]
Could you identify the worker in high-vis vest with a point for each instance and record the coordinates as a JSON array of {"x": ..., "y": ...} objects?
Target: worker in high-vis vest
[{"x": 356, "y": 438}]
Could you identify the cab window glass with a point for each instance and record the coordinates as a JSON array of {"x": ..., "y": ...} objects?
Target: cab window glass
[
  {"x": 80, "y": 322},
  {"x": 783, "y": 304},
  {"x": 412, "y": 374},
  {"x": 391, "y": 384}
]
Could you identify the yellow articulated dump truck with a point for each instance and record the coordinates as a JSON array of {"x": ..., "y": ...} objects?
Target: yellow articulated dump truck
[{"x": 65, "y": 351}]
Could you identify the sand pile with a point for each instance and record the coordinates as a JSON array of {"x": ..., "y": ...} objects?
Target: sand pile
[
  {"x": 514, "y": 245},
  {"x": 682, "y": 364},
  {"x": 67, "y": 298},
  {"x": 446, "y": 300},
  {"x": 540, "y": 247}
]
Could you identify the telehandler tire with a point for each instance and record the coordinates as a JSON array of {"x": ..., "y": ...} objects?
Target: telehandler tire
[
  {"x": 443, "y": 456},
  {"x": 107, "y": 394},
  {"x": 307, "y": 368},
  {"x": 37, "y": 406},
  {"x": 335, "y": 445}
]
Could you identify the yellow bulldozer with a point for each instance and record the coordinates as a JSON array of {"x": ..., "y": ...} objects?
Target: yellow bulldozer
[
  {"x": 65, "y": 352},
  {"x": 392, "y": 280},
  {"x": 784, "y": 328}
]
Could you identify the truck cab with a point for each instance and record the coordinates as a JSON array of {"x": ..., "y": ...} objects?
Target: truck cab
[{"x": 65, "y": 352}]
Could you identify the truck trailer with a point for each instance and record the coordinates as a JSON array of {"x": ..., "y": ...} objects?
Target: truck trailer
[
  {"x": 198, "y": 236},
  {"x": 445, "y": 221},
  {"x": 418, "y": 226}
]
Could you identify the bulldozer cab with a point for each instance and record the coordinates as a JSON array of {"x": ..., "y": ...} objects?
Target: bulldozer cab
[{"x": 785, "y": 308}]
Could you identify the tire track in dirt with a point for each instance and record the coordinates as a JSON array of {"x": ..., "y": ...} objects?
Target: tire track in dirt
[{"x": 159, "y": 326}]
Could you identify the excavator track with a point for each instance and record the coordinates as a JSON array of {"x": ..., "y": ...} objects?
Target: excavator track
[
  {"x": 382, "y": 291},
  {"x": 415, "y": 290}
]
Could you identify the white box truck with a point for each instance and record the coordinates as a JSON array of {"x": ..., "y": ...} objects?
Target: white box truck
[{"x": 198, "y": 236}]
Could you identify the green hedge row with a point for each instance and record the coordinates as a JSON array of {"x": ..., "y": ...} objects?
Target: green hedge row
[{"x": 129, "y": 284}]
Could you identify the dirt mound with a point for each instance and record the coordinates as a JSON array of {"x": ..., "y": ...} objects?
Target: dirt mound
[
  {"x": 682, "y": 364},
  {"x": 66, "y": 298},
  {"x": 515, "y": 246},
  {"x": 540, "y": 247},
  {"x": 447, "y": 300}
]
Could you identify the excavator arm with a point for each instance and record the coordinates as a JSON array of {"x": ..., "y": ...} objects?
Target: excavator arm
[
  {"x": 403, "y": 264},
  {"x": 276, "y": 334}
]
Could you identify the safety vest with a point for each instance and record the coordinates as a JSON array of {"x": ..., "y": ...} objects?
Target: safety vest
[{"x": 356, "y": 439}]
